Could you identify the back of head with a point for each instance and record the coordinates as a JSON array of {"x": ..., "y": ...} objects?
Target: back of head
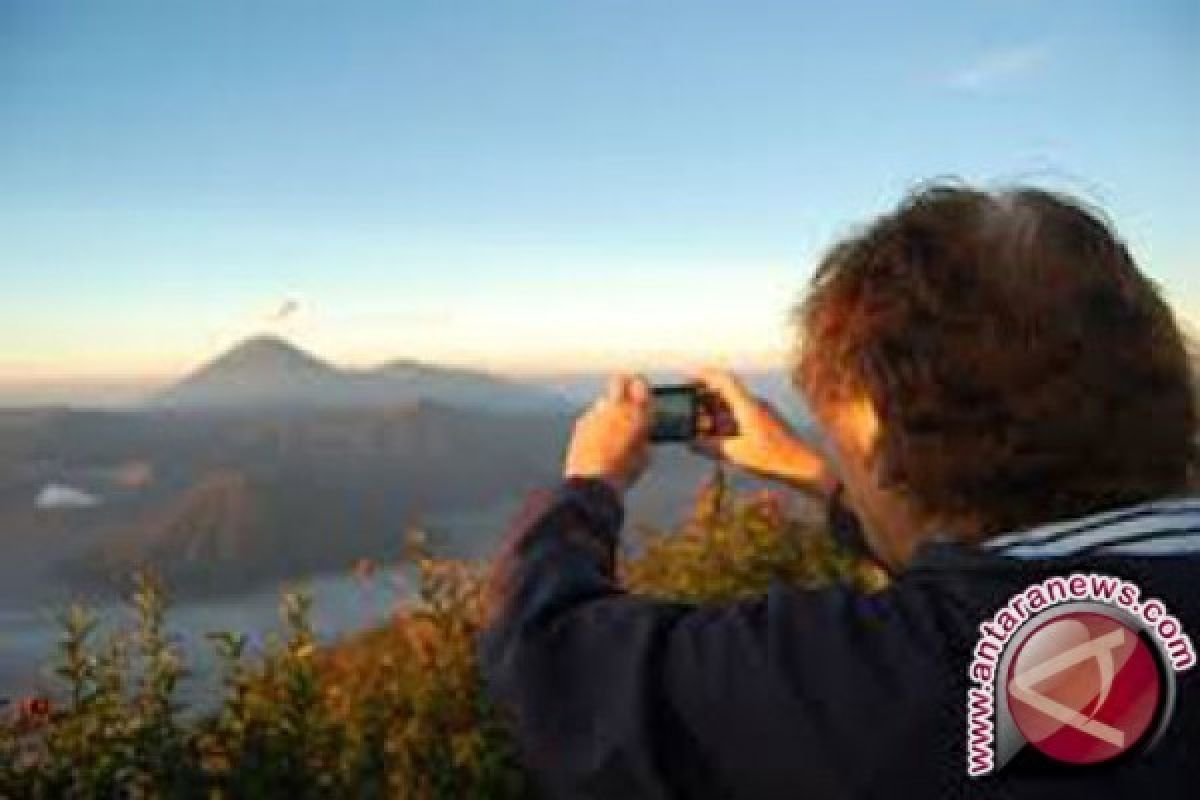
[{"x": 1022, "y": 368}]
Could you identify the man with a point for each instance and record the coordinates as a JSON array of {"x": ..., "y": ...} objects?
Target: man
[{"x": 1006, "y": 399}]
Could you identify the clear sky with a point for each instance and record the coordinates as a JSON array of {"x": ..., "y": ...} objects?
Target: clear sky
[{"x": 537, "y": 185}]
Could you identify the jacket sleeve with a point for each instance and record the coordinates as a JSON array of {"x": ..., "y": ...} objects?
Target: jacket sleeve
[
  {"x": 571, "y": 657},
  {"x": 614, "y": 695}
]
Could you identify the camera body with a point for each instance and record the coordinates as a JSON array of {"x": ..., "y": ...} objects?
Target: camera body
[{"x": 684, "y": 412}]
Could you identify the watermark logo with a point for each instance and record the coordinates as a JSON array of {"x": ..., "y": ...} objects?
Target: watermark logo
[
  {"x": 1084, "y": 687},
  {"x": 1079, "y": 668}
]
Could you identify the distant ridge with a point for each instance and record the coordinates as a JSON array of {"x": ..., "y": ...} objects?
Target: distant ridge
[{"x": 271, "y": 372}]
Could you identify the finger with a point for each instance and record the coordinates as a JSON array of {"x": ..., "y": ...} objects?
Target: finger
[
  {"x": 729, "y": 387},
  {"x": 614, "y": 389},
  {"x": 618, "y": 387},
  {"x": 638, "y": 390}
]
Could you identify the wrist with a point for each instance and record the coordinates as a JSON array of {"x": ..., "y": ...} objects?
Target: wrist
[
  {"x": 806, "y": 470},
  {"x": 613, "y": 483},
  {"x": 599, "y": 499}
]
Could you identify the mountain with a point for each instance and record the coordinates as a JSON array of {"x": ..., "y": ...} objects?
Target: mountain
[
  {"x": 261, "y": 371},
  {"x": 463, "y": 388},
  {"x": 223, "y": 503},
  {"x": 269, "y": 372}
]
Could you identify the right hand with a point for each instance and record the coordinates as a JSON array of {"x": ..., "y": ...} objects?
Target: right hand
[
  {"x": 764, "y": 443},
  {"x": 611, "y": 440}
]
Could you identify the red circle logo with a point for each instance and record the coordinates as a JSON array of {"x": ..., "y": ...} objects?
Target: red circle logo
[{"x": 1084, "y": 687}]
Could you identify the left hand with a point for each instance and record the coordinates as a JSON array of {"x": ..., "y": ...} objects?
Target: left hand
[
  {"x": 611, "y": 440},
  {"x": 764, "y": 443}
]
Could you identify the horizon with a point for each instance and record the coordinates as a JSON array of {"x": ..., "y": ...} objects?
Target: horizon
[
  {"x": 534, "y": 190},
  {"x": 106, "y": 392}
]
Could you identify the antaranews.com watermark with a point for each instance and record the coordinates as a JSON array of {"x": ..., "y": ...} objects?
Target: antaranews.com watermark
[{"x": 1136, "y": 644}]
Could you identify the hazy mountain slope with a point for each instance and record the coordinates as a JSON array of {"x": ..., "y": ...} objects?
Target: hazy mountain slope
[
  {"x": 261, "y": 371},
  {"x": 262, "y": 496},
  {"x": 269, "y": 372},
  {"x": 462, "y": 387}
]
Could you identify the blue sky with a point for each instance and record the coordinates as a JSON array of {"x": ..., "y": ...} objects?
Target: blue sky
[{"x": 537, "y": 185}]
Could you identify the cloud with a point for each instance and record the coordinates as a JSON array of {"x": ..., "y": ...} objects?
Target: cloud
[
  {"x": 999, "y": 66},
  {"x": 286, "y": 309}
]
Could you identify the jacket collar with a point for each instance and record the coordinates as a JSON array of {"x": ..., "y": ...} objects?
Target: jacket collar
[{"x": 1165, "y": 527}]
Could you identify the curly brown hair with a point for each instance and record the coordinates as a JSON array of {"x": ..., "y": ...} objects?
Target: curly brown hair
[{"x": 1023, "y": 369}]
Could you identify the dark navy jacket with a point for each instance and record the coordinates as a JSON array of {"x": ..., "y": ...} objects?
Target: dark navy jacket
[{"x": 801, "y": 693}]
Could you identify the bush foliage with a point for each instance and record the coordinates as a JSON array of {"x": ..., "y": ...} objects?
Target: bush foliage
[{"x": 396, "y": 711}]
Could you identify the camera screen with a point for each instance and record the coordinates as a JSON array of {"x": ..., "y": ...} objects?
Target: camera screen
[{"x": 674, "y": 414}]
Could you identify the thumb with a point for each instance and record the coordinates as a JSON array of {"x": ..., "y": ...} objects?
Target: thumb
[{"x": 618, "y": 387}]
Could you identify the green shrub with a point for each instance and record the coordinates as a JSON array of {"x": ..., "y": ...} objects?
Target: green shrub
[
  {"x": 396, "y": 711},
  {"x": 734, "y": 545}
]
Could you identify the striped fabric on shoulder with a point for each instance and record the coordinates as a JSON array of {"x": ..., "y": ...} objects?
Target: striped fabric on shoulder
[{"x": 1161, "y": 528}]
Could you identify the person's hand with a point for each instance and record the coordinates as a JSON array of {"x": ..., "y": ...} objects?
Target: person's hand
[
  {"x": 611, "y": 441},
  {"x": 764, "y": 443}
]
